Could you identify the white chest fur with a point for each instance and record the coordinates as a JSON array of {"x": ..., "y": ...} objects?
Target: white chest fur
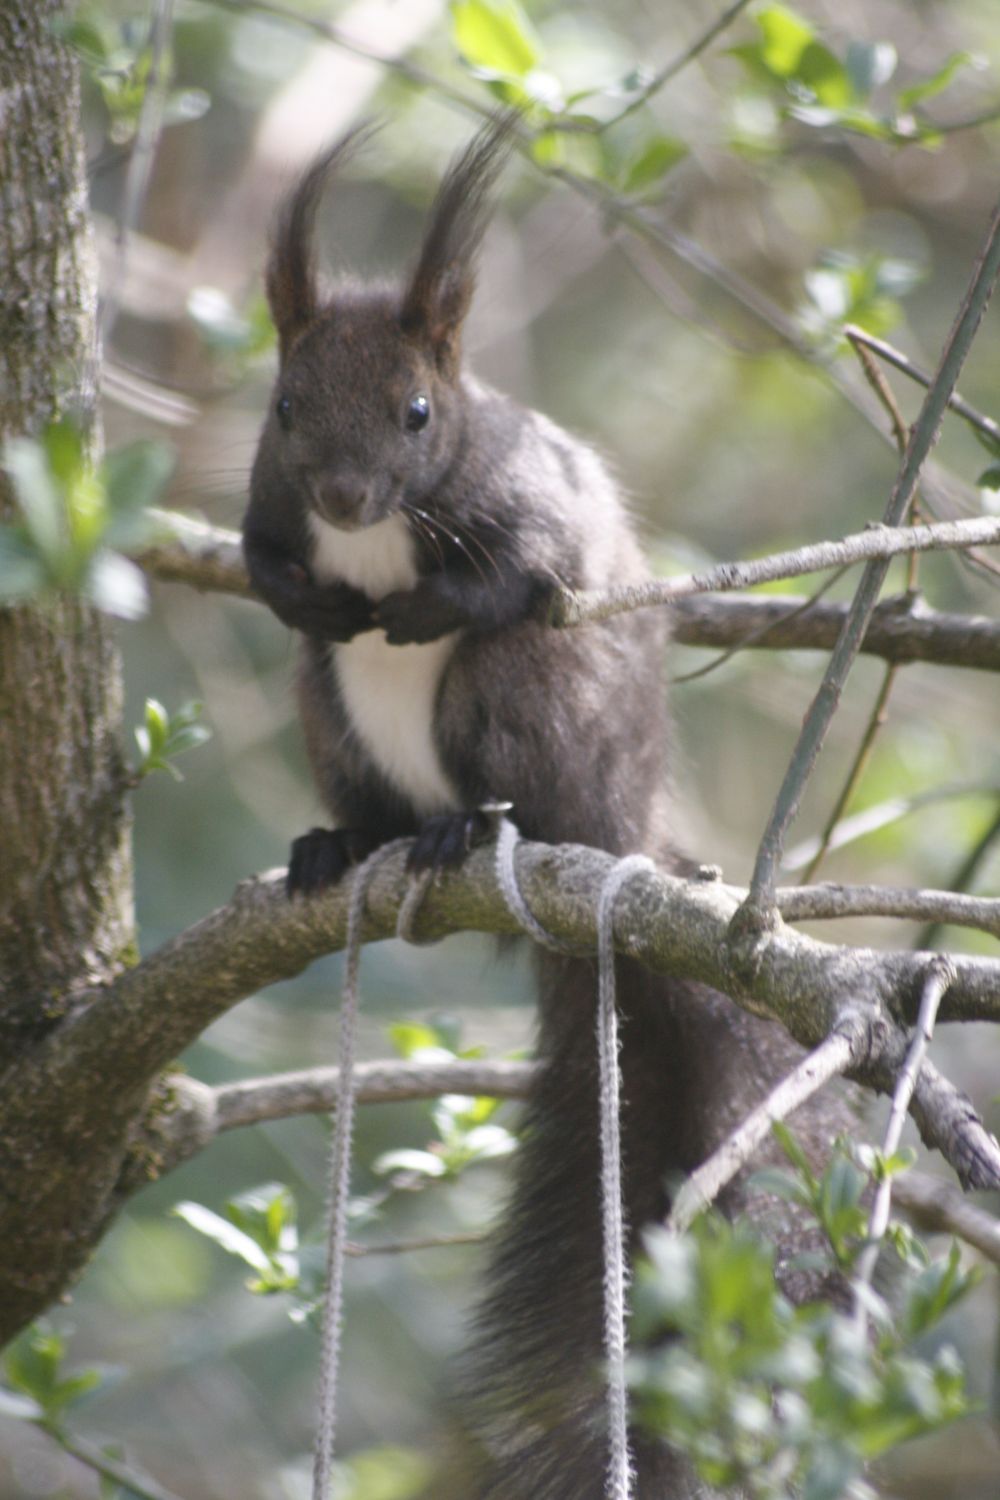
[{"x": 389, "y": 692}]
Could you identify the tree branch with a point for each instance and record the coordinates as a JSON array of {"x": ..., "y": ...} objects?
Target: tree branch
[
  {"x": 938, "y": 1207},
  {"x": 902, "y": 629},
  {"x": 137, "y": 1025},
  {"x": 198, "y": 1111},
  {"x": 937, "y": 979},
  {"x": 846, "y": 1045},
  {"x": 924, "y": 434},
  {"x": 809, "y": 903},
  {"x": 880, "y": 542}
]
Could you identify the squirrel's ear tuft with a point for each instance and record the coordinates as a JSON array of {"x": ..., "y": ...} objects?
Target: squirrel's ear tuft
[
  {"x": 440, "y": 290},
  {"x": 290, "y": 278}
]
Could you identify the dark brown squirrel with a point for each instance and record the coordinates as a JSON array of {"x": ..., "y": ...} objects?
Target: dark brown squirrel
[{"x": 411, "y": 524}]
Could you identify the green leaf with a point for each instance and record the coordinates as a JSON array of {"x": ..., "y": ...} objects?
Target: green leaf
[
  {"x": 33, "y": 1365},
  {"x": 164, "y": 736},
  {"x": 134, "y": 478},
  {"x": 424, "y": 1163},
  {"x": 653, "y": 162},
  {"x": 224, "y": 1234},
  {"x": 25, "y": 1408},
  {"x": 495, "y": 37},
  {"x": 38, "y": 495},
  {"x": 785, "y": 38},
  {"x": 790, "y": 1146},
  {"x": 267, "y": 1214},
  {"x": 938, "y": 82},
  {"x": 989, "y": 479},
  {"x": 410, "y": 1037}
]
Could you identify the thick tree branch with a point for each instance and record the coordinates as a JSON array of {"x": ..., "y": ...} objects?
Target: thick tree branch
[{"x": 137, "y": 1024}]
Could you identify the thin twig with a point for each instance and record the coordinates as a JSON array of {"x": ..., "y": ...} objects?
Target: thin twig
[
  {"x": 427, "y": 1242},
  {"x": 876, "y": 720},
  {"x": 314, "y": 1090},
  {"x": 820, "y": 714},
  {"x": 938, "y": 1207},
  {"x": 939, "y": 976},
  {"x": 879, "y": 714},
  {"x": 880, "y": 542},
  {"x": 895, "y": 357},
  {"x": 681, "y": 61},
  {"x": 329, "y": 32},
  {"x": 110, "y": 1468},
  {"x": 961, "y": 881},
  {"x": 759, "y": 636},
  {"x": 849, "y": 1040},
  {"x": 140, "y": 164}
]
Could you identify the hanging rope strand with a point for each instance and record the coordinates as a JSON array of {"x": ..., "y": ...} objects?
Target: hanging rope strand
[
  {"x": 339, "y": 1179},
  {"x": 614, "y": 1227},
  {"x": 613, "y": 1217}
]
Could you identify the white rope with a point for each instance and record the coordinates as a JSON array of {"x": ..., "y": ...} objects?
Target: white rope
[
  {"x": 339, "y": 1178},
  {"x": 620, "y": 1473},
  {"x": 614, "y": 1228}
]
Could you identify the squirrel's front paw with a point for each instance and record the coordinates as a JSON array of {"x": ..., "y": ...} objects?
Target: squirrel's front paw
[
  {"x": 415, "y": 616},
  {"x": 321, "y": 857}
]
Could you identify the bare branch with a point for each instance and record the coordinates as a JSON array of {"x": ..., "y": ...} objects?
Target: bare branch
[
  {"x": 819, "y": 902},
  {"x": 142, "y": 1020},
  {"x": 901, "y": 629},
  {"x": 899, "y": 361},
  {"x": 682, "y": 60},
  {"x": 938, "y": 978},
  {"x": 938, "y": 1207},
  {"x": 193, "y": 552},
  {"x": 846, "y": 1045},
  {"x": 931, "y": 1202},
  {"x": 817, "y": 721},
  {"x": 880, "y": 542}
]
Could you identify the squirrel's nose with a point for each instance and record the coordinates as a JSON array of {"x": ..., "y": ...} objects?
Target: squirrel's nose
[{"x": 341, "y": 498}]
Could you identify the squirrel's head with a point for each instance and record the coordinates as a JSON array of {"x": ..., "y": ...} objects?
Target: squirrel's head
[{"x": 366, "y": 413}]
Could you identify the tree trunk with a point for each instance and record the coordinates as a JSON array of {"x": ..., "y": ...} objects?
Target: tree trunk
[{"x": 65, "y": 871}]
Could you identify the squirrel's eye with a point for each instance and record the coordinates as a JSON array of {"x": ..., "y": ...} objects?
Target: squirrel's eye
[
  {"x": 284, "y": 411},
  {"x": 418, "y": 414}
]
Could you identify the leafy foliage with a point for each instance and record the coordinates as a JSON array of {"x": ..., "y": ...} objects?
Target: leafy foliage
[
  {"x": 791, "y": 1401},
  {"x": 164, "y": 735},
  {"x": 117, "y": 57},
  {"x": 76, "y": 520}
]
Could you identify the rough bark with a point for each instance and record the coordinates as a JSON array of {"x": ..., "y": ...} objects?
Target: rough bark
[{"x": 65, "y": 871}]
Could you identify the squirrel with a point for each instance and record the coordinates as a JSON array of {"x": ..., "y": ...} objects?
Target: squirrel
[{"x": 411, "y": 524}]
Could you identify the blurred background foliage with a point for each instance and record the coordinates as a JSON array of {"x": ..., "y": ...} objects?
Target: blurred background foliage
[{"x": 836, "y": 162}]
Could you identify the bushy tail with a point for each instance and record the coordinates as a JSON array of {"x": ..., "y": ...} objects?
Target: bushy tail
[{"x": 532, "y": 1413}]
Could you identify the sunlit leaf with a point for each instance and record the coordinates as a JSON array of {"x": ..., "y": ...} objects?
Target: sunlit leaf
[{"x": 495, "y": 36}]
